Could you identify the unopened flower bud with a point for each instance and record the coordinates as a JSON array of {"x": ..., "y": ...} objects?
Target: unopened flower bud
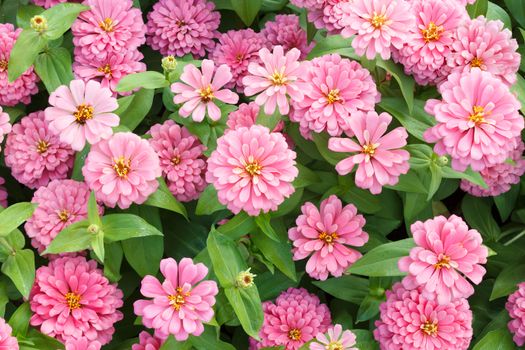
[
  {"x": 169, "y": 63},
  {"x": 245, "y": 279},
  {"x": 442, "y": 161},
  {"x": 39, "y": 23},
  {"x": 94, "y": 229}
]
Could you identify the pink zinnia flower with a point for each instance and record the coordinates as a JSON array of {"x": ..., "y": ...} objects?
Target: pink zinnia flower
[
  {"x": 109, "y": 26},
  {"x": 181, "y": 304},
  {"x": 331, "y": 15},
  {"x": 82, "y": 344},
  {"x": 201, "y": 88},
  {"x": 7, "y": 341},
  {"x": 5, "y": 125},
  {"x": 109, "y": 71},
  {"x": 50, "y": 3},
  {"x": 72, "y": 299},
  {"x": 379, "y": 159},
  {"x": 82, "y": 112},
  {"x": 246, "y": 116},
  {"x": 122, "y": 170},
  {"x": 309, "y": 4},
  {"x": 236, "y": 49},
  {"x": 294, "y": 319},
  {"x": 277, "y": 79},
  {"x": 325, "y": 235},
  {"x": 516, "y": 307},
  {"x": 24, "y": 86},
  {"x": 181, "y": 159},
  {"x": 147, "y": 342},
  {"x": 60, "y": 203},
  {"x": 484, "y": 44},
  {"x": 478, "y": 122},
  {"x": 338, "y": 88},
  {"x": 409, "y": 320},
  {"x": 335, "y": 339},
  {"x": 180, "y": 27},
  {"x": 378, "y": 25},
  {"x": 35, "y": 154},
  {"x": 285, "y": 30},
  {"x": 3, "y": 193},
  {"x": 447, "y": 251},
  {"x": 252, "y": 170}
]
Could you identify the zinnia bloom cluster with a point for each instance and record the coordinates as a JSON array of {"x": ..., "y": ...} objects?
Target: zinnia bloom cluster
[
  {"x": 7, "y": 341},
  {"x": 181, "y": 304},
  {"x": 285, "y": 30},
  {"x": 72, "y": 299},
  {"x": 147, "y": 342},
  {"x": 325, "y": 235},
  {"x": 252, "y": 170},
  {"x": 335, "y": 339},
  {"x": 516, "y": 307}
]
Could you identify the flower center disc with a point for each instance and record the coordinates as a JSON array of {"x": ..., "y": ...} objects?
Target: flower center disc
[
  {"x": 444, "y": 262},
  {"x": 179, "y": 299},
  {"x": 175, "y": 160},
  {"x": 334, "y": 345},
  {"x": 432, "y": 32},
  {"x": 107, "y": 25},
  {"x": 278, "y": 78},
  {"x": 328, "y": 237},
  {"x": 84, "y": 113},
  {"x": 122, "y": 167},
  {"x": 294, "y": 334},
  {"x": 73, "y": 300},
  {"x": 105, "y": 69},
  {"x": 378, "y": 20},
  {"x": 63, "y": 215},
  {"x": 369, "y": 149},
  {"x": 478, "y": 115},
  {"x": 3, "y": 65},
  {"x": 333, "y": 96},
  {"x": 430, "y": 328},
  {"x": 206, "y": 94},
  {"x": 476, "y": 62},
  {"x": 42, "y": 146},
  {"x": 253, "y": 168}
]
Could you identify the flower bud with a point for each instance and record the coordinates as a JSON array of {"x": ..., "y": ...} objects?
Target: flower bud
[
  {"x": 39, "y": 23},
  {"x": 245, "y": 279},
  {"x": 94, "y": 229},
  {"x": 169, "y": 63}
]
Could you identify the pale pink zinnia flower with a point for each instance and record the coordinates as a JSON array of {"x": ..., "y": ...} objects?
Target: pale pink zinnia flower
[
  {"x": 285, "y": 30},
  {"x": 60, "y": 203},
  {"x": 82, "y": 344},
  {"x": 331, "y": 15},
  {"x": 201, "y": 88},
  {"x": 378, "y": 26},
  {"x": 277, "y": 79},
  {"x": 50, "y": 3},
  {"x": 325, "y": 235},
  {"x": 82, "y": 112},
  {"x": 72, "y": 299},
  {"x": 410, "y": 320},
  {"x": 20, "y": 90},
  {"x": 338, "y": 88},
  {"x": 109, "y": 26},
  {"x": 7, "y": 341},
  {"x": 246, "y": 116},
  {"x": 379, "y": 159},
  {"x": 181, "y": 304},
  {"x": 181, "y": 159},
  {"x": 294, "y": 319},
  {"x": 5, "y": 125},
  {"x": 147, "y": 342},
  {"x": 516, "y": 307},
  {"x": 335, "y": 339},
  {"x": 3, "y": 193},
  {"x": 252, "y": 170},
  {"x": 478, "y": 122},
  {"x": 35, "y": 154},
  {"x": 180, "y": 27},
  {"x": 122, "y": 170},
  {"x": 447, "y": 251}
]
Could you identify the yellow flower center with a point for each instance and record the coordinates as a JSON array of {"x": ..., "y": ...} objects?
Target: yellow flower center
[
  {"x": 369, "y": 149},
  {"x": 3, "y": 65},
  {"x": 432, "y": 32},
  {"x": 476, "y": 62},
  {"x": 107, "y": 25},
  {"x": 179, "y": 299},
  {"x": 84, "y": 113},
  {"x": 253, "y": 168},
  {"x": 122, "y": 167},
  {"x": 478, "y": 115},
  {"x": 73, "y": 300},
  {"x": 180, "y": 23},
  {"x": 105, "y": 69},
  {"x": 207, "y": 94},
  {"x": 378, "y": 20},
  {"x": 329, "y": 238},
  {"x": 333, "y": 96},
  {"x": 175, "y": 160},
  {"x": 429, "y": 328},
  {"x": 63, "y": 215},
  {"x": 334, "y": 345},
  {"x": 294, "y": 334},
  {"x": 444, "y": 262},
  {"x": 278, "y": 78},
  {"x": 42, "y": 146}
]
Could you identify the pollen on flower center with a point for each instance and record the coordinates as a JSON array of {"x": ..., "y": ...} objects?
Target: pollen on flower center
[
  {"x": 207, "y": 94},
  {"x": 175, "y": 160},
  {"x": 179, "y": 299},
  {"x": 253, "y": 168},
  {"x": 180, "y": 22},
  {"x": 432, "y": 32},
  {"x": 476, "y": 62},
  {"x": 84, "y": 113},
  {"x": 122, "y": 167},
  {"x": 239, "y": 57},
  {"x": 42, "y": 146},
  {"x": 378, "y": 20},
  {"x": 107, "y": 25},
  {"x": 444, "y": 261},
  {"x": 63, "y": 215},
  {"x": 105, "y": 69},
  {"x": 278, "y": 78},
  {"x": 478, "y": 115},
  {"x": 334, "y": 345},
  {"x": 3, "y": 65},
  {"x": 328, "y": 237},
  {"x": 333, "y": 96},
  {"x": 369, "y": 149},
  {"x": 430, "y": 328},
  {"x": 73, "y": 300},
  {"x": 294, "y": 334}
]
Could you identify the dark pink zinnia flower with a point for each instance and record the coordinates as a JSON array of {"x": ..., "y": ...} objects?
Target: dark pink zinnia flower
[
  {"x": 147, "y": 342},
  {"x": 285, "y": 30},
  {"x": 82, "y": 344},
  {"x": 516, "y": 307},
  {"x": 3, "y": 193}
]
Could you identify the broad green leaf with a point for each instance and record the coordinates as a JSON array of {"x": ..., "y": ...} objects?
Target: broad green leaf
[
  {"x": 97, "y": 244},
  {"x": 119, "y": 227},
  {"x": 20, "y": 268},
  {"x": 210, "y": 340},
  {"x": 248, "y": 308},
  {"x": 333, "y": 44},
  {"x": 362, "y": 199},
  {"x": 505, "y": 202},
  {"x": 495, "y": 12},
  {"x": 60, "y": 18},
  {"x": 144, "y": 254},
  {"x": 263, "y": 222},
  {"x": 226, "y": 258},
  {"x": 321, "y": 141},
  {"x": 382, "y": 261},
  {"x": 368, "y": 308},
  {"x": 147, "y": 80},
  {"x": 40, "y": 341},
  {"x": 172, "y": 344},
  {"x": 350, "y": 288},
  {"x": 14, "y": 216},
  {"x": 273, "y": 5},
  {"x": 507, "y": 281},
  {"x": 499, "y": 339},
  {"x": 163, "y": 198},
  {"x": 409, "y": 182},
  {"x": 113, "y": 261},
  {"x": 479, "y": 8},
  {"x": 270, "y": 121},
  {"x": 208, "y": 202},
  {"x": 19, "y": 321},
  {"x": 478, "y": 213},
  {"x": 80, "y": 159},
  {"x": 53, "y": 66},
  {"x": 25, "y": 13},
  {"x": 270, "y": 285},
  {"x": 246, "y": 9},
  {"x": 238, "y": 226},
  {"x": 73, "y": 238},
  {"x": 517, "y": 10},
  {"x": 469, "y": 174},
  {"x": 305, "y": 178},
  {"x": 24, "y": 52},
  {"x": 406, "y": 82},
  {"x": 137, "y": 109},
  {"x": 93, "y": 214},
  {"x": 519, "y": 90},
  {"x": 416, "y": 122}
]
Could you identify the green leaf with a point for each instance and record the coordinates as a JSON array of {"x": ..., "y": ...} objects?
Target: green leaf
[
  {"x": 321, "y": 141},
  {"x": 163, "y": 198},
  {"x": 494, "y": 12},
  {"x": 409, "y": 182},
  {"x": 305, "y": 178},
  {"x": 24, "y": 52},
  {"x": 517, "y": 10},
  {"x": 270, "y": 121},
  {"x": 14, "y": 216},
  {"x": 113, "y": 261},
  {"x": 247, "y": 306},
  {"x": 73, "y": 238},
  {"x": 97, "y": 244},
  {"x": 519, "y": 90},
  {"x": 119, "y": 227},
  {"x": 382, "y": 260},
  {"x": 173, "y": 344},
  {"x": 20, "y": 268},
  {"x": 53, "y": 66},
  {"x": 469, "y": 174},
  {"x": 93, "y": 213},
  {"x": 147, "y": 80},
  {"x": 60, "y": 18},
  {"x": 479, "y": 8},
  {"x": 349, "y": 288},
  {"x": 478, "y": 213},
  {"x": 368, "y": 308},
  {"x": 505, "y": 202},
  {"x": 333, "y": 44},
  {"x": 210, "y": 340},
  {"x": 144, "y": 254},
  {"x": 406, "y": 83},
  {"x": 19, "y": 321},
  {"x": 25, "y": 13},
  {"x": 416, "y": 122},
  {"x": 246, "y": 9},
  {"x": 496, "y": 340},
  {"x": 137, "y": 109},
  {"x": 238, "y": 226},
  {"x": 507, "y": 281},
  {"x": 80, "y": 159},
  {"x": 39, "y": 341},
  {"x": 226, "y": 258},
  {"x": 208, "y": 202},
  {"x": 263, "y": 222}
]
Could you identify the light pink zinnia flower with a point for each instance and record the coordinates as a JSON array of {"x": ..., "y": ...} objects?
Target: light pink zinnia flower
[
  {"x": 181, "y": 303},
  {"x": 109, "y": 71},
  {"x": 331, "y": 15},
  {"x": 35, "y": 154},
  {"x": 325, "y": 235},
  {"x": 516, "y": 307},
  {"x": 180, "y": 27},
  {"x": 236, "y": 49},
  {"x": 246, "y": 116},
  {"x": 378, "y": 25},
  {"x": 447, "y": 251},
  {"x": 122, "y": 170},
  {"x": 5, "y": 125},
  {"x": 285, "y": 30},
  {"x": 478, "y": 122},
  {"x": 181, "y": 159},
  {"x": 201, "y": 89},
  {"x": 20, "y": 90},
  {"x": 82, "y": 344},
  {"x": 50, "y": 3},
  {"x": 276, "y": 80},
  {"x": 409, "y": 320},
  {"x": 7, "y": 341},
  {"x": 60, "y": 203},
  {"x": 335, "y": 339},
  {"x": 72, "y": 299},
  {"x": 484, "y": 44},
  {"x": 379, "y": 159},
  {"x": 82, "y": 112},
  {"x": 294, "y": 319},
  {"x": 252, "y": 170},
  {"x": 3, "y": 193},
  {"x": 147, "y": 342},
  {"x": 109, "y": 26},
  {"x": 338, "y": 88}
]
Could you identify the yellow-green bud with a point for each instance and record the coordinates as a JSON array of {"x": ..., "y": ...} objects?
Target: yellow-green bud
[
  {"x": 169, "y": 63},
  {"x": 443, "y": 160},
  {"x": 245, "y": 279},
  {"x": 39, "y": 23},
  {"x": 94, "y": 229}
]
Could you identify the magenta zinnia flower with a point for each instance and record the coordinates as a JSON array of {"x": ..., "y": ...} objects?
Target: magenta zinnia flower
[
  {"x": 478, "y": 122},
  {"x": 50, "y": 3},
  {"x": 516, "y": 307},
  {"x": 331, "y": 15},
  {"x": 5, "y": 125},
  {"x": 252, "y": 170},
  {"x": 181, "y": 159},
  {"x": 379, "y": 159},
  {"x": 82, "y": 112},
  {"x": 147, "y": 342},
  {"x": 325, "y": 235},
  {"x": 335, "y": 339},
  {"x": 447, "y": 251},
  {"x": 180, "y": 27},
  {"x": 60, "y": 203},
  {"x": 7, "y": 341},
  {"x": 181, "y": 303},
  {"x": 3, "y": 193},
  {"x": 35, "y": 154},
  {"x": 82, "y": 344},
  {"x": 338, "y": 88},
  {"x": 285, "y": 30},
  {"x": 109, "y": 26},
  {"x": 409, "y": 320},
  {"x": 200, "y": 90},
  {"x": 246, "y": 116},
  {"x": 122, "y": 170},
  {"x": 72, "y": 299},
  {"x": 294, "y": 319},
  {"x": 20, "y": 90}
]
